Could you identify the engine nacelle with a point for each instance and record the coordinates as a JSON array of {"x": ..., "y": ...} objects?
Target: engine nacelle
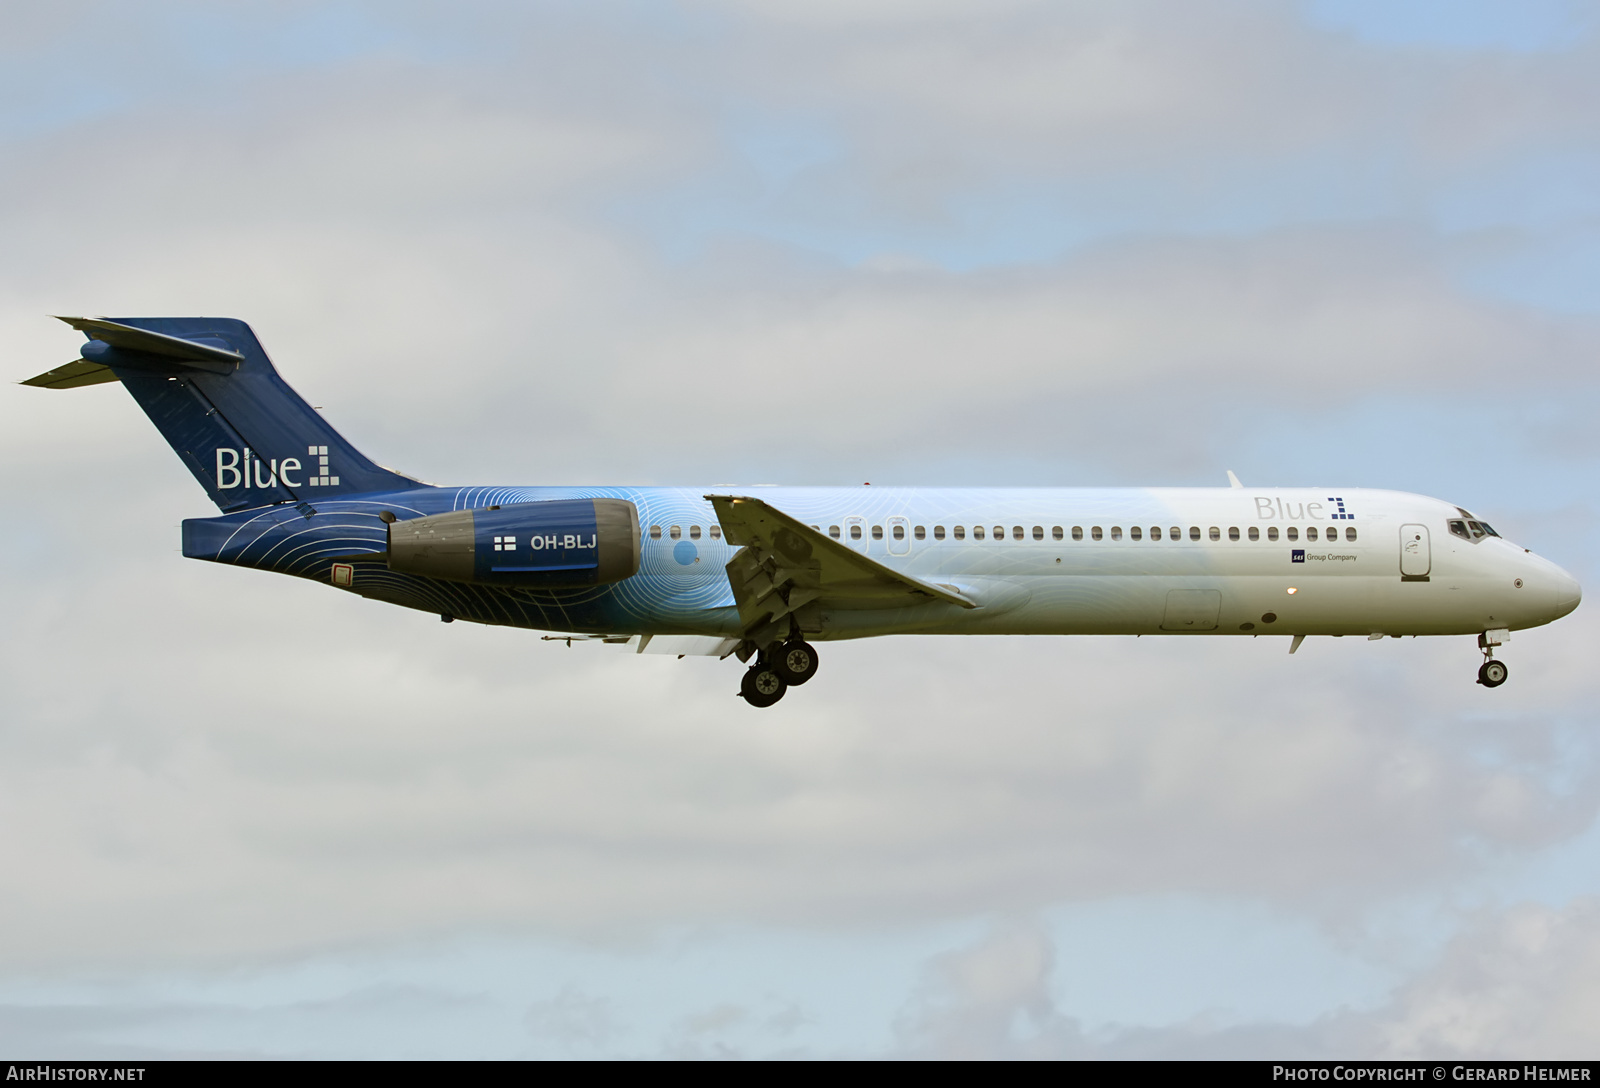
[{"x": 559, "y": 544}]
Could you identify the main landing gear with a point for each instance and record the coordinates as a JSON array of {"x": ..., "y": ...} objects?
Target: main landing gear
[
  {"x": 1492, "y": 673},
  {"x": 776, "y": 670}
]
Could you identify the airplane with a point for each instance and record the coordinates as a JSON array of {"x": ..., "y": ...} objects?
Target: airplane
[{"x": 762, "y": 574}]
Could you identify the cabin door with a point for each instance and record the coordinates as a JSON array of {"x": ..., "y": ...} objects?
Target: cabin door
[{"x": 1416, "y": 558}]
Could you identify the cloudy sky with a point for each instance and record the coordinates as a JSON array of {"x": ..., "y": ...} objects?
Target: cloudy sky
[{"x": 933, "y": 242}]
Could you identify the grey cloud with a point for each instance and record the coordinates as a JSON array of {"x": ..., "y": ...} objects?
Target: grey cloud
[
  {"x": 941, "y": 100},
  {"x": 574, "y": 1019}
]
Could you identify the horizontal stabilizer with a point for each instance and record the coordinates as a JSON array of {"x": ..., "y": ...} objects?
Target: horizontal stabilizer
[
  {"x": 72, "y": 375},
  {"x": 112, "y": 343},
  {"x": 128, "y": 338}
]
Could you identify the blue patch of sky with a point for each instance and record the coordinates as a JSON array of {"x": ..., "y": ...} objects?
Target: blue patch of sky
[
  {"x": 1561, "y": 873},
  {"x": 218, "y": 40},
  {"x": 200, "y": 54},
  {"x": 1524, "y": 26},
  {"x": 1154, "y": 961},
  {"x": 1503, "y": 457},
  {"x": 1555, "y": 269},
  {"x": 791, "y": 181}
]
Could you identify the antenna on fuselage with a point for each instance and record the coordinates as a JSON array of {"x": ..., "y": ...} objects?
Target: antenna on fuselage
[{"x": 1233, "y": 481}]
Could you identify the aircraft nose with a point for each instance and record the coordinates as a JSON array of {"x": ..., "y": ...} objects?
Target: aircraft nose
[
  {"x": 1568, "y": 594},
  {"x": 1550, "y": 591}
]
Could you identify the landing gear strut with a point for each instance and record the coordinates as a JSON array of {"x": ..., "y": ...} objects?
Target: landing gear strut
[{"x": 1492, "y": 673}]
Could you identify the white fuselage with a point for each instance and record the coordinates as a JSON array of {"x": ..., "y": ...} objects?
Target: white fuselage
[{"x": 1302, "y": 561}]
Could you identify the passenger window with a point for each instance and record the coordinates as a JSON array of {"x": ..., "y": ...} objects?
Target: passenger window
[
  {"x": 920, "y": 533},
  {"x": 1135, "y": 533},
  {"x": 1255, "y": 534},
  {"x": 1216, "y": 534},
  {"x": 833, "y": 531},
  {"x": 1292, "y": 533},
  {"x": 855, "y": 532},
  {"x": 1038, "y": 532},
  {"x": 977, "y": 532},
  {"x": 1155, "y": 532},
  {"x": 1095, "y": 532},
  {"x": 1233, "y": 532},
  {"x": 1175, "y": 533},
  {"x": 675, "y": 532},
  {"x": 1056, "y": 533},
  {"x": 959, "y": 532},
  {"x": 938, "y": 532},
  {"x": 999, "y": 532},
  {"x": 655, "y": 532},
  {"x": 899, "y": 532},
  {"x": 877, "y": 532},
  {"x": 1017, "y": 533},
  {"x": 1116, "y": 532},
  {"x": 1194, "y": 532},
  {"x": 1311, "y": 532},
  {"x": 694, "y": 532},
  {"x": 1077, "y": 532},
  {"x": 1272, "y": 532},
  {"x": 1350, "y": 533},
  {"x": 716, "y": 532}
]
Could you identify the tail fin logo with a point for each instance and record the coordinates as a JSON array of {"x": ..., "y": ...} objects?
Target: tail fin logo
[
  {"x": 244, "y": 468},
  {"x": 321, "y": 479}
]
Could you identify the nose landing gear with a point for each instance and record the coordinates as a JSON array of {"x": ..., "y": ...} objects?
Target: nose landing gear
[{"x": 1492, "y": 673}]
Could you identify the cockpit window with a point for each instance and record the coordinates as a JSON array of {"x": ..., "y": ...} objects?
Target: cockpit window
[{"x": 1469, "y": 529}]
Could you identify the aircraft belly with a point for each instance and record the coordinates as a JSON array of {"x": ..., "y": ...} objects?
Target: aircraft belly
[{"x": 1144, "y": 604}]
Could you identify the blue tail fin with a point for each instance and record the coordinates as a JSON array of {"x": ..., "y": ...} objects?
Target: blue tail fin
[{"x": 212, "y": 392}]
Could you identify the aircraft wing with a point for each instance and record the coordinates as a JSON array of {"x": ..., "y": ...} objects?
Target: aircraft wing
[{"x": 784, "y": 565}]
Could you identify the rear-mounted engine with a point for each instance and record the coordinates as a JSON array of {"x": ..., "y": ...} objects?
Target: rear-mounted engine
[{"x": 563, "y": 543}]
